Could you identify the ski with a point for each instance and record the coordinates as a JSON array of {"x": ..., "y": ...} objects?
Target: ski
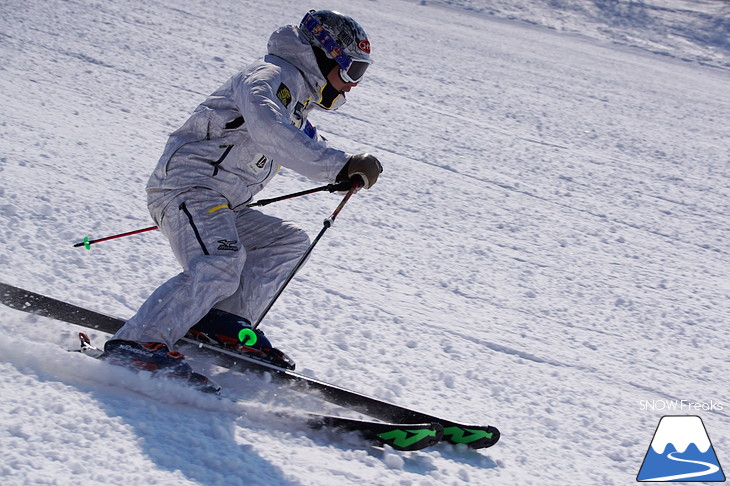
[
  {"x": 472, "y": 435},
  {"x": 402, "y": 437}
]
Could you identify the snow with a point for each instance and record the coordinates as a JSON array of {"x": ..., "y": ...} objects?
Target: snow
[{"x": 546, "y": 250}]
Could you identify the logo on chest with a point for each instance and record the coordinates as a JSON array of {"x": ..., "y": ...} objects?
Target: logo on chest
[
  {"x": 258, "y": 163},
  {"x": 284, "y": 95}
]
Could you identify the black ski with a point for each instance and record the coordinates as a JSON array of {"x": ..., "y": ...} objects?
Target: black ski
[
  {"x": 474, "y": 436},
  {"x": 402, "y": 437}
]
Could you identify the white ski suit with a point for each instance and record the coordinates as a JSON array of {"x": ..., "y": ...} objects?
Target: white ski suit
[{"x": 235, "y": 258}]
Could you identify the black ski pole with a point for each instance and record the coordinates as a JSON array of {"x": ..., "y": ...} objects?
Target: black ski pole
[
  {"x": 327, "y": 224},
  {"x": 341, "y": 186}
]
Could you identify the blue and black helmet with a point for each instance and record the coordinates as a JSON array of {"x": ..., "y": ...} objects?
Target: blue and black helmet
[{"x": 342, "y": 41}]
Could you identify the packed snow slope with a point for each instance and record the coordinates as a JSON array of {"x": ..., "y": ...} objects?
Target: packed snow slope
[
  {"x": 546, "y": 251},
  {"x": 693, "y": 30}
]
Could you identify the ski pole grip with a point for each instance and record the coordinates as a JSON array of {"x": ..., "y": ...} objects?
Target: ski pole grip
[{"x": 345, "y": 185}]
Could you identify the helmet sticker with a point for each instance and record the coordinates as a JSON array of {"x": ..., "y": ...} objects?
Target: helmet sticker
[
  {"x": 344, "y": 38},
  {"x": 364, "y": 46}
]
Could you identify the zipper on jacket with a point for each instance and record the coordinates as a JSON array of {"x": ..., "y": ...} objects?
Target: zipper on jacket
[{"x": 219, "y": 161}]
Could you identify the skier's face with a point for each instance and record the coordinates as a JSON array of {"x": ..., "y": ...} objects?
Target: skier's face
[{"x": 336, "y": 81}]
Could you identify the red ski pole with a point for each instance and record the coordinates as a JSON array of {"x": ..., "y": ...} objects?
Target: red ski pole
[
  {"x": 342, "y": 186},
  {"x": 327, "y": 224},
  {"x": 87, "y": 242}
]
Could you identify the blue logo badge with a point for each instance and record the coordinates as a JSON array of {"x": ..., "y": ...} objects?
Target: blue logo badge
[{"x": 681, "y": 451}]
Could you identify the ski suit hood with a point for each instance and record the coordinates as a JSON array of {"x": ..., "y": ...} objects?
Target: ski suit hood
[{"x": 290, "y": 44}]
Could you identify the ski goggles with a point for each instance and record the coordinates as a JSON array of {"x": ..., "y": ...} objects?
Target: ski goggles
[{"x": 351, "y": 70}]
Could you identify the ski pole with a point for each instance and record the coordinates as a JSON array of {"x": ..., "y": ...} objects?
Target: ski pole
[
  {"x": 327, "y": 224},
  {"x": 87, "y": 242},
  {"x": 342, "y": 186}
]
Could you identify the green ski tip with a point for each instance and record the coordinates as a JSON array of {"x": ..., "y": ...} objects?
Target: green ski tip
[{"x": 410, "y": 439}]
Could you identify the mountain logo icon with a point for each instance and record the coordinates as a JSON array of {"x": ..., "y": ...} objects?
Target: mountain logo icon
[{"x": 681, "y": 451}]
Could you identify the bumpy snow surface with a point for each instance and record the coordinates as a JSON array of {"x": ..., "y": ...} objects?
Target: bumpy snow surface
[{"x": 546, "y": 250}]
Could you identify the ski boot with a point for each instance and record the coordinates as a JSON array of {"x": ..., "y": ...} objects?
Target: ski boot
[
  {"x": 229, "y": 331},
  {"x": 157, "y": 359}
]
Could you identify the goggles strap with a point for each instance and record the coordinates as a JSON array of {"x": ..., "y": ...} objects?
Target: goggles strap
[{"x": 326, "y": 41}]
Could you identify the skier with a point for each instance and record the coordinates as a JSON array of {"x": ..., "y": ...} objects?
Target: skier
[{"x": 235, "y": 258}]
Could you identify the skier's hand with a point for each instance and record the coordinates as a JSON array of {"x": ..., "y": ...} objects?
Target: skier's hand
[{"x": 361, "y": 168}]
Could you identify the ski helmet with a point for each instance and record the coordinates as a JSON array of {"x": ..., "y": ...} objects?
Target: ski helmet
[{"x": 341, "y": 39}]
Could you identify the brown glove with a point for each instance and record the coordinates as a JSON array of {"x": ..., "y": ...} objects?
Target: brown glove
[{"x": 361, "y": 168}]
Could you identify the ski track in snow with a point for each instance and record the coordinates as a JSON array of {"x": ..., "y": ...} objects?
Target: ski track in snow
[{"x": 547, "y": 245}]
